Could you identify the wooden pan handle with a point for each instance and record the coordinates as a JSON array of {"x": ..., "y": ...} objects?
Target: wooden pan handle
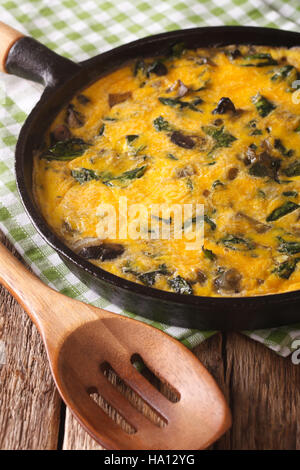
[
  {"x": 8, "y": 36},
  {"x": 25, "y": 57}
]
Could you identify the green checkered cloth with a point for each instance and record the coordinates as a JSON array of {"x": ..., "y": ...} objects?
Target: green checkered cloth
[{"x": 79, "y": 30}]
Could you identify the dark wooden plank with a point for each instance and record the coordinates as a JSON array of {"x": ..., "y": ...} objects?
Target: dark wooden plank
[
  {"x": 29, "y": 402},
  {"x": 211, "y": 354},
  {"x": 263, "y": 391}
]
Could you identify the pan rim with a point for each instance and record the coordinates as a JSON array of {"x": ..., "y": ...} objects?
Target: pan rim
[{"x": 98, "y": 273}]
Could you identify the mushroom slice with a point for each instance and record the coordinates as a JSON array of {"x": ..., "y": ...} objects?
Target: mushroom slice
[
  {"x": 116, "y": 98},
  {"x": 180, "y": 87},
  {"x": 182, "y": 140},
  {"x": 229, "y": 281},
  {"x": 188, "y": 170},
  {"x": 60, "y": 133},
  {"x": 225, "y": 105},
  {"x": 73, "y": 117},
  {"x": 258, "y": 226}
]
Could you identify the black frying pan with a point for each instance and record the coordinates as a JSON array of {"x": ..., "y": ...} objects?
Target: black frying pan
[{"x": 62, "y": 79}]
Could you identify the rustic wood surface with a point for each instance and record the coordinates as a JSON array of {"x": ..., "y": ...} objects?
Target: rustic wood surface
[{"x": 263, "y": 391}]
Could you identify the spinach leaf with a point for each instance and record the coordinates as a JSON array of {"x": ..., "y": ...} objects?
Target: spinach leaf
[
  {"x": 177, "y": 103},
  {"x": 209, "y": 254},
  {"x": 66, "y": 150},
  {"x": 237, "y": 243},
  {"x": 193, "y": 220},
  {"x": 171, "y": 156},
  {"x": 173, "y": 102},
  {"x": 180, "y": 285},
  {"x": 139, "y": 66},
  {"x": 125, "y": 177},
  {"x": 293, "y": 169},
  {"x": 197, "y": 101},
  {"x": 139, "y": 150},
  {"x": 259, "y": 170},
  {"x": 177, "y": 49},
  {"x": 156, "y": 67},
  {"x": 282, "y": 149},
  {"x": 83, "y": 175},
  {"x": 287, "y": 73},
  {"x": 286, "y": 269},
  {"x": 217, "y": 183},
  {"x": 210, "y": 222},
  {"x": 101, "y": 130},
  {"x": 161, "y": 124},
  {"x": 190, "y": 184},
  {"x": 133, "y": 150},
  {"x": 162, "y": 219},
  {"x": 256, "y": 132},
  {"x": 221, "y": 137},
  {"x": 104, "y": 251},
  {"x": 282, "y": 73},
  {"x": 130, "y": 138},
  {"x": 109, "y": 119},
  {"x": 147, "y": 278},
  {"x": 290, "y": 248},
  {"x": 264, "y": 60},
  {"x": 263, "y": 105},
  {"x": 286, "y": 208},
  {"x": 252, "y": 125},
  {"x": 290, "y": 193},
  {"x": 261, "y": 194},
  {"x": 259, "y": 55}
]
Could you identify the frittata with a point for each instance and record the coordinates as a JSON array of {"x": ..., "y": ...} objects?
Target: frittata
[{"x": 218, "y": 127}]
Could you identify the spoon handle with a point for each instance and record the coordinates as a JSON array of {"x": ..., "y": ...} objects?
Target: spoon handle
[
  {"x": 24, "y": 286},
  {"x": 53, "y": 314}
]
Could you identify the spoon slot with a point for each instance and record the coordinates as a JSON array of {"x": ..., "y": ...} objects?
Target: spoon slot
[
  {"x": 132, "y": 396},
  {"x": 167, "y": 390},
  {"x": 113, "y": 414}
]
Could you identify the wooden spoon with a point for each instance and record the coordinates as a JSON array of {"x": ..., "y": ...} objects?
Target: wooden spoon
[{"x": 83, "y": 341}]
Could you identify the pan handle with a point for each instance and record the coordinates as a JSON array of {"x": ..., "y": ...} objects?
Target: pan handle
[{"x": 27, "y": 58}]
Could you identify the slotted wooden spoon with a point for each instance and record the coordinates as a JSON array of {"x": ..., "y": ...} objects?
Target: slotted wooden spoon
[{"x": 80, "y": 338}]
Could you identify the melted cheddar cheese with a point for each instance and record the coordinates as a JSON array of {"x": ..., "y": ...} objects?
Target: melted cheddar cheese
[{"x": 218, "y": 127}]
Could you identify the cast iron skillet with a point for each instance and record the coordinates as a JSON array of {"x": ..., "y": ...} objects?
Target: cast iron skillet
[{"x": 62, "y": 79}]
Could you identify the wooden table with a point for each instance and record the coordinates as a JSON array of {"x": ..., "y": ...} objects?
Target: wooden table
[{"x": 263, "y": 391}]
